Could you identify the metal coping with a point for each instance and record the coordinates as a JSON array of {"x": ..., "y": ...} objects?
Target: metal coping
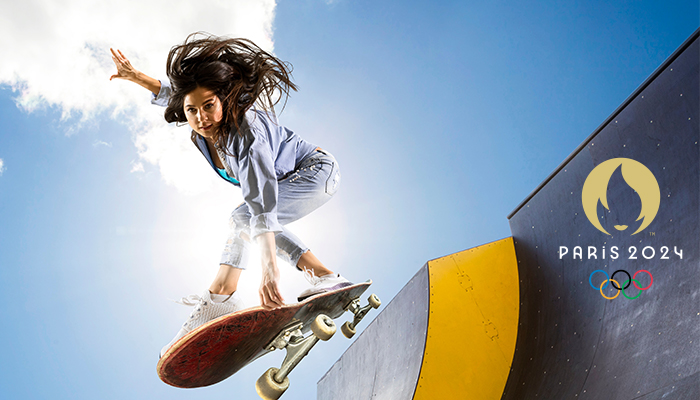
[{"x": 619, "y": 109}]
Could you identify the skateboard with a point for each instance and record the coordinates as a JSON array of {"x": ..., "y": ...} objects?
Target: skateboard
[{"x": 222, "y": 346}]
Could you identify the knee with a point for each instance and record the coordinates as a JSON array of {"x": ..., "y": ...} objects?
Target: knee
[
  {"x": 239, "y": 223},
  {"x": 240, "y": 226}
]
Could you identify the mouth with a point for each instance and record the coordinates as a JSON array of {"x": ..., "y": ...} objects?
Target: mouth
[{"x": 206, "y": 127}]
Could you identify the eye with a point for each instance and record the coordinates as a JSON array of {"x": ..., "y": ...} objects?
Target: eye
[
  {"x": 191, "y": 110},
  {"x": 209, "y": 106}
]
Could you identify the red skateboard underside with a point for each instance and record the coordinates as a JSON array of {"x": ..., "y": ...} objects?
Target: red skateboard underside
[{"x": 221, "y": 347}]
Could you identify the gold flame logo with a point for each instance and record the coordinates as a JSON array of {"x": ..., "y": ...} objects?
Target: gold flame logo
[{"x": 637, "y": 176}]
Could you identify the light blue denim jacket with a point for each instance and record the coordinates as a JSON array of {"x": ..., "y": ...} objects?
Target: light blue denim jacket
[{"x": 265, "y": 153}]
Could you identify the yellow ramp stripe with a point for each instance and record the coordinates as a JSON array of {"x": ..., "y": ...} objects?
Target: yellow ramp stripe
[{"x": 473, "y": 323}]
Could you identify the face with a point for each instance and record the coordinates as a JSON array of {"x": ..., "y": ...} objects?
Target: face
[{"x": 203, "y": 110}]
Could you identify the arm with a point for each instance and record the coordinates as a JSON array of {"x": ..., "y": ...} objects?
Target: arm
[
  {"x": 259, "y": 187},
  {"x": 270, "y": 296},
  {"x": 126, "y": 71}
]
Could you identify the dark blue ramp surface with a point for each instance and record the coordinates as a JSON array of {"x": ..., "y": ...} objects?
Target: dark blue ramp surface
[
  {"x": 573, "y": 343},
  {"x": 385, "y": 362}
]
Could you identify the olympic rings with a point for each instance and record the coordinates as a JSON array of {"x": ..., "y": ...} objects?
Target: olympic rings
[
  {"x": 601, "y": 289},
  {"x": 624, "y": 294},
  {"x": 629, "y": 278},
  {"x": 649, "y": 273},
  {"x": 616, "y": 285},
  {"x": 591, "y": 283}
]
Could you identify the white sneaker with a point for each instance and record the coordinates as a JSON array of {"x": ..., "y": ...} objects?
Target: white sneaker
[
  {"x": 322, "y": 284},
  {"x": 205, "y": 310}
]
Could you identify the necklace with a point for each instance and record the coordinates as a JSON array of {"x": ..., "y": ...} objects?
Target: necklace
[{"x": 222, "y": 157}]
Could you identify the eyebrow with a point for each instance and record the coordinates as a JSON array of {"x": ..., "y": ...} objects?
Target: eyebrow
[{"x": 205, "y": 103}]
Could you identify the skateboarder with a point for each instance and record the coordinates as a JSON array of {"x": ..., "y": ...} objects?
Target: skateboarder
[{"x": 225, "y": 89}]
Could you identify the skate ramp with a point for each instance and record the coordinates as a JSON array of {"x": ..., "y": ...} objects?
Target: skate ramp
[
  {"x": 455, "y": 322},
  {"x": 572, "y": 340},
  {"x": 573, "y": 343}
]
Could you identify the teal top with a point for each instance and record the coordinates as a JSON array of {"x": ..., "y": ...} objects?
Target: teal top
[{"x": 223, "y": 173}]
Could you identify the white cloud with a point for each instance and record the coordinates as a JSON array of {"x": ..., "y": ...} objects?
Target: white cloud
[
  {"x": 137, "y": 166},
  {"x": 101, "y": 143},
  {"x": 2, "y": 166},
  {"x": 56, "y": 54}
]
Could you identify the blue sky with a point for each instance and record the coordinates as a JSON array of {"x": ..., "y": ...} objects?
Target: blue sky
[{"x": 442, "y": 115}]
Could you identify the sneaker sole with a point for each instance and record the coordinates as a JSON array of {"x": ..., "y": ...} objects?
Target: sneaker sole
[{"x": 330, "y": 289}]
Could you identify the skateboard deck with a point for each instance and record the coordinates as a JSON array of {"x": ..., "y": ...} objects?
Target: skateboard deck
[{"x": 221, "y": 347}]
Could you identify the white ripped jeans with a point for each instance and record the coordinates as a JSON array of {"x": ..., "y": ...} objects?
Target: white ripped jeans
[{"x": 307, "y": 188}]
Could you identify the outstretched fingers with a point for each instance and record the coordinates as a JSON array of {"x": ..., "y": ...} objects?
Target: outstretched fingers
[
  {"x": 116, "y": 58},
  {"x": 119, "y": 56},
  {"x": 124, "y": 68}
]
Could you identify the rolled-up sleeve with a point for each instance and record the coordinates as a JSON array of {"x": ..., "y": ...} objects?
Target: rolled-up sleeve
[
  {"x": 259, "y": 185},
  {"x": 163, "y": 94}
]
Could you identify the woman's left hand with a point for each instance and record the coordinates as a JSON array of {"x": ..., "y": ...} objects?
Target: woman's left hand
[{"x": 270, "y": 296}]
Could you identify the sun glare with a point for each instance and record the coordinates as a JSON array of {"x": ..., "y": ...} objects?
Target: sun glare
[{"x": 191, "y": 232}]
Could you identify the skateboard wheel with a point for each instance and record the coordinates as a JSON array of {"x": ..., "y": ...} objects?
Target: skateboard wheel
[
  {"x": 268, "y": 388},
  {"x": 348, "y": 331},
  {"x": 323, "y": 327},
  {"x": 374, "y": 301}
]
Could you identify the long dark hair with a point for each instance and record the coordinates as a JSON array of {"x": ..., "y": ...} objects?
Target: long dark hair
[{"x": 236, "y": 70}]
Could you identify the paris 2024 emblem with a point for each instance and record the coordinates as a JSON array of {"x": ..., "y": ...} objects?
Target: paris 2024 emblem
[{"x": 637, "y": 176}]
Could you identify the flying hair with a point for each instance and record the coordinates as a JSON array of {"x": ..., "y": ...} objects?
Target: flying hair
[{"x": 239, "y": 72}]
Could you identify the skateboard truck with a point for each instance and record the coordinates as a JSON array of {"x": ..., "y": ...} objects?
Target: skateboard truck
[
  {"x": 281, "y": 340},
  {"x": 274, "y": 381},
  {"x": 348, "y": 327}
]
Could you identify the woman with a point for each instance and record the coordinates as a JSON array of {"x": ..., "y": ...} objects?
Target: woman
[{"x": 225, "y": 89}]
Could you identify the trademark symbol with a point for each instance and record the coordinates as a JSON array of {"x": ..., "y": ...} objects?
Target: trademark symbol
[{"x": 652, "y": 233}]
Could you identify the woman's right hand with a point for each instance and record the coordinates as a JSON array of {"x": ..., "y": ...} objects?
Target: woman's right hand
[
  {"x": 124, "y": 68},
  {"x": 126, "y": 71}
]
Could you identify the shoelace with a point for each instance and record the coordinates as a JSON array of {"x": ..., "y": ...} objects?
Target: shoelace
[
  {"x": 191, "y": 300},
  {"x": 311, "y": 277}
]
